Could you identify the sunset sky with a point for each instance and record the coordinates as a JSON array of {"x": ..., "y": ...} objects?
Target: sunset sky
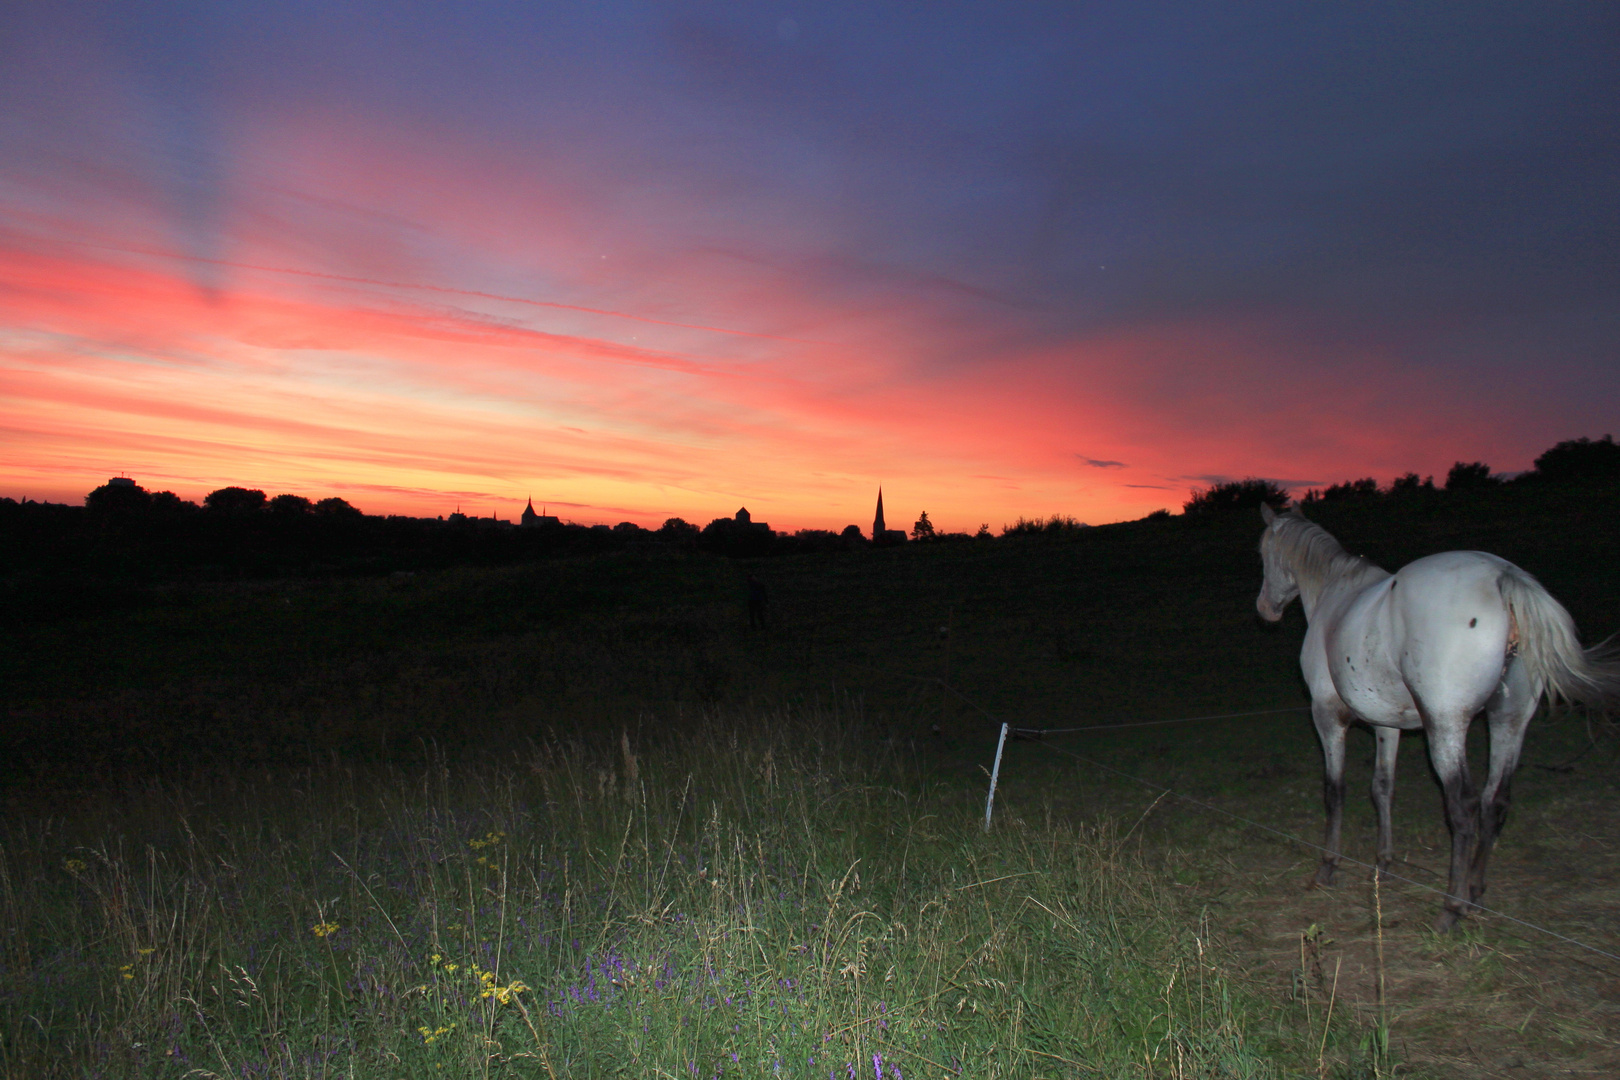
[{"x": 650, "y": 260}]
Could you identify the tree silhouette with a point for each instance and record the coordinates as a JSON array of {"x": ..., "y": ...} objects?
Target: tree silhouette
[
  {"x": 678, "y": 529},
  {"x": 1581, "y": 459},
  {"x": 235, "y": 500},
  {"x": 110, "y": 499},
  {"x": 1464, "y": 475},
  {"x": 1352, "y": 489},
  {"x": 1410, "y": 483},
  {"x": 291, "y": 505},
  {"x": 335, "y": 507},
  {"x": 1235, "y": 495}
]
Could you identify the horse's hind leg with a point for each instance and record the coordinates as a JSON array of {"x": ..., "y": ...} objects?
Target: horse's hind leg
[
  {"x": 1448, "y": 751},
  {"x": 1331, "y": 723},
  {"x": 1383, "y": 791},
  {"x": 1508, "y": 712}
]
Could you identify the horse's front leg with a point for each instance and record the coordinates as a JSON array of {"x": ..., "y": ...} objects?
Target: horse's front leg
[
  {"x": 1383, "y": 792},
  {"x": 1448, "y": 751},
  {"x": 1330, "y": 728}
]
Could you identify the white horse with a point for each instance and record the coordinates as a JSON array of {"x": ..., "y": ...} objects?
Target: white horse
[{"x": 1430, "y": 647}]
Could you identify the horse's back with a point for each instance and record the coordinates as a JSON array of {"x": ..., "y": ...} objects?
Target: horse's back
[
  {"x": 1456, "y": 628},
  {"x": 1435, "y": 635}
]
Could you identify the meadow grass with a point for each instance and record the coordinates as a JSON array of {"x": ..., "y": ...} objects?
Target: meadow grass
[
  {"x": 240, "y": 820},
  {"x": 760, "y": 894}
]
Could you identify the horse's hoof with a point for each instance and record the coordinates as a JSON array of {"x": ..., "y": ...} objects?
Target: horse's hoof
[
  {"x": 1324, "y": 875},
  {"x": 1446, "y": 921}
]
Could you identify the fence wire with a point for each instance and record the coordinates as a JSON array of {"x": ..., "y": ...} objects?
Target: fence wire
[{"x": 1258, "y": 825}]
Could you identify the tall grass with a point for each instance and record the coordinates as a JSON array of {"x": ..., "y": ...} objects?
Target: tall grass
[{"x": 750, "y": 894}]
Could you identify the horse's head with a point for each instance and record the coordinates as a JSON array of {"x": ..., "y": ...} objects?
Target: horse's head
[{"x": 1279, "y": 588}]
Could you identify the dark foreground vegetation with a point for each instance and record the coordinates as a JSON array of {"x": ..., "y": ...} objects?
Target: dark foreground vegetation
[{"x": 573, "y": 817}]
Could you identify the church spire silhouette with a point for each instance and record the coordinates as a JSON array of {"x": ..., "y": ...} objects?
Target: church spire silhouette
[{"x": 878, "y": 528}]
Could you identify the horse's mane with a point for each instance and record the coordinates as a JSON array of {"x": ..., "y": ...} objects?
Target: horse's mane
[{"x": 1315, "y": 556}]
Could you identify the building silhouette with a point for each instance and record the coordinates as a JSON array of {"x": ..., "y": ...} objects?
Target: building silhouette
[
  {"x": 746, "y": 520},
  {"x": 532, "y": 520},
  {"x": 881, "y": 533}
]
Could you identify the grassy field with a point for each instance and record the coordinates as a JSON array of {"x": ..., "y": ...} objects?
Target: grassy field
[
  {"x": 808, "y": 899},
  {"x": 575, "y": 819}
]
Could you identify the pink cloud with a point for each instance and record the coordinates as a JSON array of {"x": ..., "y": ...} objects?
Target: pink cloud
[{"x": 385, "y": 326}]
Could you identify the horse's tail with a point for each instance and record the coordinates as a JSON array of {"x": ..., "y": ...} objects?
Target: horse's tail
[{"x": 1548, "y": 646}]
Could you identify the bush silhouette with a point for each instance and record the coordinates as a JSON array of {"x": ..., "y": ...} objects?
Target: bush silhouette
[
  {"x": 1364, "y": 488},
  {"x": 678, "y": 529},
  {"x": 235, "y": 500},
  {"x": 1235, "y": 495},
  {"x": 1580, "y": 459},
  {"x": 1055, "y": 525},
  {"x": 336, "y": 507},
  {"x": 1464, "y": 475},
  {"x": 109, "y": 499},
  {"x": 1408, "y": 484},
  {"x": 291, "y": 505},
  {"x": 167, "y": 502}
]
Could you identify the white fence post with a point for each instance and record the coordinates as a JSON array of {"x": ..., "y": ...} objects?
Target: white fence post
[{"x": 989, "y": 803}]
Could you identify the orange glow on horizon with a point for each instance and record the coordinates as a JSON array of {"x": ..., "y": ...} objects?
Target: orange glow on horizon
[{"x": 416, "y": 398}]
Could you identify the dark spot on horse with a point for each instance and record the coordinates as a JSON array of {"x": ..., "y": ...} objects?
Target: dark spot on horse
[
  {"x": 1392, "y": 585},
  {"x": 1471, "y": 623}
]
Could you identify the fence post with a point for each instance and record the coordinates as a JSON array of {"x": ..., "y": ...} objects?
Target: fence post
[{"x": 989, "y": 803}]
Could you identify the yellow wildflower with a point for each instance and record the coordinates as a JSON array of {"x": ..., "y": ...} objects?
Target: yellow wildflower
[
  {"x": 126, "y": 972},
  {"x": 324, "y": 929},
  {"x": 73, "y": 866},
  {"x": 430, "y": 1035},
  {"x": 490, "y": 839},
  {"x": 502, "y": 994}
]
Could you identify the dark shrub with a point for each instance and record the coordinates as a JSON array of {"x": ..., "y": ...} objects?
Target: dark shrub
[
  {"x": 678, "y": 529},
  {"x": 1366, "y": 488},
  {"x": 1465, "y": 475},
  {"x": 1235, "y": 495},
  {"x": 235, "y": 500},
  {"x": 1056, "y": 525},
  {"x": 336, "y": 507},
  {"x": 167, "y": 502},
  {"x": 123, "y": 498},
  {"x": 1581, "y": 459},
  {"x": 1410, "y": 484},
  {"x": 291, "y": 505}
]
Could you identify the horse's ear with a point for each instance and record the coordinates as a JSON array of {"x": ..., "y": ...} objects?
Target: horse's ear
[{"x": 1268, "y": 513}]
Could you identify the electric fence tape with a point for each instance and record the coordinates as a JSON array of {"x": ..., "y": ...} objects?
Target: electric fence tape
[{"x": 1246, "y": 821}]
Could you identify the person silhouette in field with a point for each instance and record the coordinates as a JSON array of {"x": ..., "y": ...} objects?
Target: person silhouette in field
[{"x": 758, "y": 601}]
